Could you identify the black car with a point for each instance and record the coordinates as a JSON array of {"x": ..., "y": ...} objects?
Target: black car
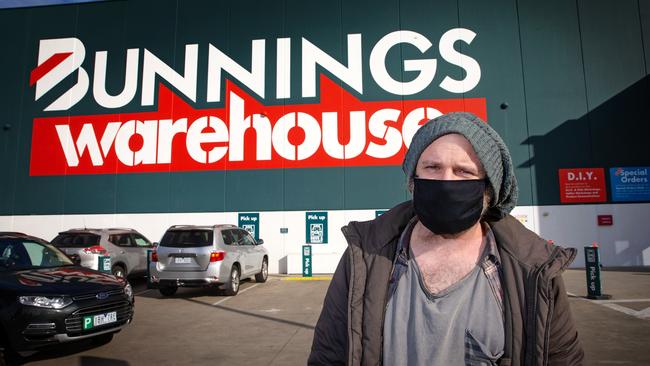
[{"x": 47, "y": 299}]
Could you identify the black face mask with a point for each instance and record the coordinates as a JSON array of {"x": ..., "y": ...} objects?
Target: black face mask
[{"x": 448, "y": 206}]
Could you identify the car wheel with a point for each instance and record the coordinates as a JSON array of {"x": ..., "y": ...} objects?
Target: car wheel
[
  {"x": 118, "y": 271},
  {"x": 3, "y": 355},
  {"x": 7, "y": 355},
  {"x": 103, "y": 339},
  {"x": 264, "y": 272},
  {"x": 168, "y": 290},
  {"x": 232, "y": 288}
]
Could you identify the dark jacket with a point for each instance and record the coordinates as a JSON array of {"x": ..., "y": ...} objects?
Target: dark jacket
[{"x": 539, "y": 327}]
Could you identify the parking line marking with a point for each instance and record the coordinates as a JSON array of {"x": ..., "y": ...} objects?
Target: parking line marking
[
  {"x": 621, "y": 301},
  {"x": 643, "y": 314},
  {"x": 613, "y": 304},
  {"x": 230, "y": 297},
  {"x": 307, "y": 279},
  {"x": 141, "y": 292}
]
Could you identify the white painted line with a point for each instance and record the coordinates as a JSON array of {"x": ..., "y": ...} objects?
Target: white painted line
[
  {"x": 272, "y": 310},
  {"x": 619, "y": 301},
  {"x": 613, "y": 304},
  {"x": 230, "y": 297},
  {"x": 141, "y": 292},
  {"x": 643, "y": 314}
]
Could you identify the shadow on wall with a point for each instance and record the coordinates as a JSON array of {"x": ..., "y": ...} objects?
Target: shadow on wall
[
  {"x": 282, "y": 265},
  {"x": 613, "y": 134}
]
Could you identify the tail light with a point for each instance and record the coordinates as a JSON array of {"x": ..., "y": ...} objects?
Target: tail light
[
  {"x": 217, "y": 256},
  {"x": 154, "y": 256},
  {"x": 95, "y": 249}
]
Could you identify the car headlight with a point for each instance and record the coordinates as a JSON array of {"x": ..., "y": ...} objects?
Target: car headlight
[
  {"x": 128, "y": 291},
  {"x": 48, "y": 302}
]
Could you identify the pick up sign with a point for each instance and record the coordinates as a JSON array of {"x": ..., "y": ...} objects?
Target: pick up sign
[
  {"x": 582, "y": 185},
  {"x": 316, "y": 227}
]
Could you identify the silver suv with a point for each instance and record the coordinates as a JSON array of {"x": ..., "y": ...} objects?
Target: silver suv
[
  {"x": 126, "y": 247},
  {"x": 197, "y": 256}
]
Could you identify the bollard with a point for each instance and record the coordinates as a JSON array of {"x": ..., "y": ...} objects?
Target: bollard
[
  {"x": 104, "y": 263},
  {"x": 592, "y": 270},
  {"x": 148, "y": 270},
  {"x": 306, "y": 261}
]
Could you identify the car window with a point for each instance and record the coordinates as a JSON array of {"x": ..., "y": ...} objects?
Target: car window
[
  {"x": 34, "y": 251},
  {"x": 187, "y": 238},
  {"x": 76, "y": 240},
  {"x": 141, "y": 242},
  {"x": 18, "y": 254},
  {"x": 246, "y": 238},
  {"x": 228, "y": 237},
  {"x": 121, "y": 240},
  {"x": 238, "y": 239}
]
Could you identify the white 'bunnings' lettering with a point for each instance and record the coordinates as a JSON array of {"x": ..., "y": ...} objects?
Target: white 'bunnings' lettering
[{"x": 313, "y": 60}]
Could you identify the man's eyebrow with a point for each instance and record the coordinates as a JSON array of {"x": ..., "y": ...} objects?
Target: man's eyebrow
[
  {"x": 430, "y": 161},
  {"x": 470, "y": 167}
]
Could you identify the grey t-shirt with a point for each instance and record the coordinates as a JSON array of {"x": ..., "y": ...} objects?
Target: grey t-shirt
[{"x": 462, "y": 325}]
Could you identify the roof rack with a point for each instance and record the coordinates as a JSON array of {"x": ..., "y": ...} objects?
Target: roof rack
[
  {"x": 12, "y": 233},
  {"x": 81, "y": 229}
]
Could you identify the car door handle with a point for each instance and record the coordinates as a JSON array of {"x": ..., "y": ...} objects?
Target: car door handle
[{"x": 122, "y": 252}]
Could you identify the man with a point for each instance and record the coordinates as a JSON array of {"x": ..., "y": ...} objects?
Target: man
[{"x": 449, "y": 278}]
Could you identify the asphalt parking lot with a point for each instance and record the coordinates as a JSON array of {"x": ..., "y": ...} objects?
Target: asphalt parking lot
[{"x": 272, "y": 324}]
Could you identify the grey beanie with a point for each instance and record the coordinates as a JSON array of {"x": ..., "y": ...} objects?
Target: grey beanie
[{"x": 489, "y": 147}]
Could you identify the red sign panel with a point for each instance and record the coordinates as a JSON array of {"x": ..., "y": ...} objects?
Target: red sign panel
[
  {"x": 338, "y": 130},
  {"x": 582, "y": 185},
  {"x": 605, "y": 220}
]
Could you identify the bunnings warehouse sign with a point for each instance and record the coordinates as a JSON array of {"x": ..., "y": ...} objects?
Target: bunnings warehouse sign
[
  {"x": 331, "y": 124},
  {"x": 167, "y": 106}
]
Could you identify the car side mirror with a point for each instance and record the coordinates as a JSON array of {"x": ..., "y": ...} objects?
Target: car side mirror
[{"x": 260, "y": 242}]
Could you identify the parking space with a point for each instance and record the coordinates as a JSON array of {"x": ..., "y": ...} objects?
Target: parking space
[
  {"x": 618, "y": 334},
  {"x": 272, "y": 324}
]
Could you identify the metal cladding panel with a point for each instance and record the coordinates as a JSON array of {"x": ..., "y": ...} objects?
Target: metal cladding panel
[
  {"x": 503, "y": 81},
  {"x": 644, "y": 16},
  {"x": 552, "y": 66},
  {"x": 573, "y": 76},
  {"x": 12, "y": 91},
  {"x": 618, "y": 100}
]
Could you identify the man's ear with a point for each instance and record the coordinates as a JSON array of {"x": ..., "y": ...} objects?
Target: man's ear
[{"x": 409, "y": 185}]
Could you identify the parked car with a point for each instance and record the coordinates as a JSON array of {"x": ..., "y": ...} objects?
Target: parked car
[
  {"x": 219, "y": 255},
  {"x": 126, "y": 247},
  {"x": 47, "y": 299}
]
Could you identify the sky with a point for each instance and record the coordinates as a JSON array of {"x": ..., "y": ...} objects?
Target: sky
[{"x": 6, "y": 4}]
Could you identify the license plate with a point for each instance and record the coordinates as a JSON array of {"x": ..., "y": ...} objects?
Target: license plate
[
  {"x": 182, "y": 260},
  {"x": 100, "y": 319}
]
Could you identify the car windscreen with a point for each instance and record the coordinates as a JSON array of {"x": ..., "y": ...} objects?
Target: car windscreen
[
  {"x": 187, "y": 238},
  {"x": 76, "y": 240},
  {"x": 17, "y": 254}
]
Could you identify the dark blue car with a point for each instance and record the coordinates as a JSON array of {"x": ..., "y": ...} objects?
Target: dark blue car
[{"x": 47, "y": 299}]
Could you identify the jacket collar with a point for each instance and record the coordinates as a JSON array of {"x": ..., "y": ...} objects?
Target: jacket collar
[
  {"x": 384, "y": 230},
  {"x": 528, "y": 248},
  {"x": 512, "y": 237}
]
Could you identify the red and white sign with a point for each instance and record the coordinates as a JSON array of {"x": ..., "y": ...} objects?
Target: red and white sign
[
  {"x": 340, "y": 130},
  {"x": 582, "y": 185},
  {"x": 243, "y": 133},
  {"x": 605, "y": 220}
]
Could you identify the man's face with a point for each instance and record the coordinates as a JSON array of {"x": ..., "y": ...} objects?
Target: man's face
[{"x": 449, "y": 157}]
